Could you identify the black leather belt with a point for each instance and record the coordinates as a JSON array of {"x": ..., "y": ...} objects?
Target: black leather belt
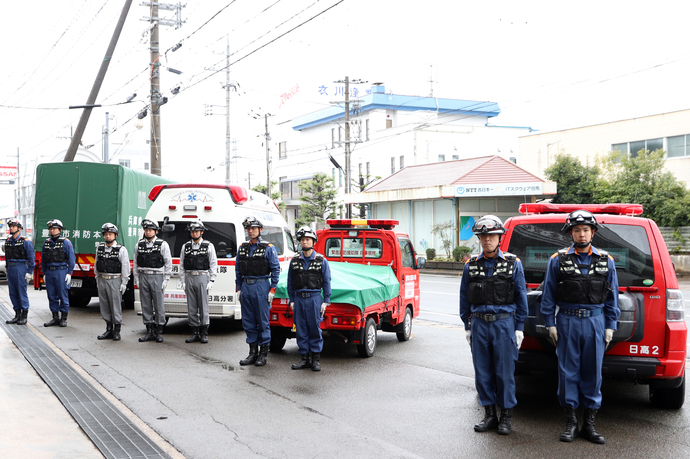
[
  {"x": 308, "y": 294},
  {"x": 581, "y": 313},
  {"x": 56, "y": 268},
  {"x": 255, "y": 281},
  {"x": 493, "y": 317},
  {"x": 16, "y": 263}
]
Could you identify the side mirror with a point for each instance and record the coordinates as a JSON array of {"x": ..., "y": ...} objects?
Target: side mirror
[
  {"x": 168, "y": 227},
  {"x": 421, "y": 262}
]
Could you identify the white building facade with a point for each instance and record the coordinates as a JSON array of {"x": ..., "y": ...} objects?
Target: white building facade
[
  {"x": 388, "y": 132},
  {"x": 667, "y": 131}
]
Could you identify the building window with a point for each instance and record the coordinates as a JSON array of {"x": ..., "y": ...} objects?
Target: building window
[
  {"x": 340, "y": 134},
  {"x": 402, "y": 162},
  {"x": 360, "y": 169},
  {"x": 389, "y": 123},
  {"x": 634, "y": 148},
  {"x": 367, "y": 128},
  {"x": 393, "y": 165},
  {"x": 334, "y": 177},
  {"x": 282, "y": 150},
  {"x": 456, "y": 157},
  {"x": 340, "y": 180},
  {"x": 146, "y": 166},
  {"x": 368, "y": 169},
  {"x": 124, "y": 162},
  {"x": 678, "y": 146},
  {"x": 284, "y": 188},
  {"x": 333, "y": 138},
  {"x": 441, "y": 158}
]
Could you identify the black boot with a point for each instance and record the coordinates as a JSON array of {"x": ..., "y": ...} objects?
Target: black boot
[
  {"x": 15, "y": 319},
  {"x": 504, "y": 427},
  {"x": 203, "y": 331},
  {"x": 159, "y": 333},
  {"x": 150, "y": 336},
  {"x": 570, "y": 433},
  {"x": 116, "y": 332},
  {"x": 490, "y": 420},
  {"x": 263, "y": 353},
  {"x": 253, "y": 355},
  {"x": 63, "y": 319},
  {"x": 55, "y": 321},
  {"x": 316, "y": 364},
  {"x": 22, "y": 319},
  {"x": 303, "y": 363},
  {"x": 108, "y": 331},
  {"x": 589, "y": 430},
  {"x": 195, "y": 336}
]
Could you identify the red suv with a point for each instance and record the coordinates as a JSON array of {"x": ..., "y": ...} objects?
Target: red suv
[{"x": 650, "y": 345}]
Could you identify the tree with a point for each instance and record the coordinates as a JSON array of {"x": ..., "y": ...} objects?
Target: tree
[
  {"x": 318, "y": 200},
  {"x": 275, "y": 193},
  {"x": 642, "y": 180},
  {"x": 576, "y": 183},
  {"x": 443, "y": 231}
]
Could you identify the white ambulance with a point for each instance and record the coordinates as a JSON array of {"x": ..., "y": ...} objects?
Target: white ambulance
[{"x": 221, "y": 209}]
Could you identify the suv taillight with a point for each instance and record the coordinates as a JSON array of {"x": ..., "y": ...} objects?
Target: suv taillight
[{"x": 675, "y": 310}]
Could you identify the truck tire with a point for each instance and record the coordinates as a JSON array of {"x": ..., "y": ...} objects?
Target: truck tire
[
  {"x": 670, "y": 398},
  {"x": 277, "y": 342},
  {"x": 78, "y": 300},
  {"x": 368, "y": 347},
  {"x": 407, "y": 324}
]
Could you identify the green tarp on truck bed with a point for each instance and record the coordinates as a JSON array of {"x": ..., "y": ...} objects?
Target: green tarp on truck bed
[{"x": 352, "y": 283}]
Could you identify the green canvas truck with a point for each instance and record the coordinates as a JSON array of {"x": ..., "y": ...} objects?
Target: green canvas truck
[{"x": 84, "y": 196}]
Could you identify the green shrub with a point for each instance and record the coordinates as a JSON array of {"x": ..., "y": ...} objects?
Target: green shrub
[
  {"x": 430, "y": 254},
  {"x": 460, "y": 252}
]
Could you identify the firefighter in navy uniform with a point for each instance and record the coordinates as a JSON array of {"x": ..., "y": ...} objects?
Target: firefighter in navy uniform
[
  {"x": 111, "y": 270},
  {"x": 256, "y": 277},
  {"x": 309, "y": 292},
  {"x": 198, "y": 270},
  {"x": 57, "y": 264},
  {"x": 583, "y": 282},
  {"x": 493, "y": 307},
  {"x": 20, "y": 262},
  {"x": 152, "y": 270}
]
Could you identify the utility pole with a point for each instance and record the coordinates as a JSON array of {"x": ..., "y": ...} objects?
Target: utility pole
[
  {"x": 76, "y": 138},
  {"x": 19, "y": 190},
  {"x": 156, "y": 97},
  {"x": 348, "y": 172},
  {"x": 268, "y": 158},
  {"x": 227, "y": 113},
  {"x": 106, "y": 140}
]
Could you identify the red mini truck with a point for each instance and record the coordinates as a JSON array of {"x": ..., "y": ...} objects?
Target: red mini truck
[{"x": 374, "y": 280}]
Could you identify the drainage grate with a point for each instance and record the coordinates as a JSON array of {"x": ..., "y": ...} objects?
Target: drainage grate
[{"x": 112, "y": 433}]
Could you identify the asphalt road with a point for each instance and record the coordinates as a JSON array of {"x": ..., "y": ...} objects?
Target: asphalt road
[{"x": 410, "y": 400}]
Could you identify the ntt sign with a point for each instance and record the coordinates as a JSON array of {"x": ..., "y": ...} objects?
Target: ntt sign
[{"x": 498, "y": 189}]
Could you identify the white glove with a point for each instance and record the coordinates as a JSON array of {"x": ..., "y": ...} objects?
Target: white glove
[
  {"x": 323, "y": 308},
  {"x": 182, "y": 286},
  {"x": 164, "y": 285},
  {"x": 519, "y": 336},
  {"x": 291, "y": 307},
  {"x": 209, "y": 286},
  {"x": 68, "y": 279},
  {"x": 608, "y": 336},
  {"x": 468, "y": 336},
  {"x": 123, "y": 287},
  {"x": 271, "y": 295},
  {"x": 553, "y": 334},
  {"x": 29, "y": 277}
]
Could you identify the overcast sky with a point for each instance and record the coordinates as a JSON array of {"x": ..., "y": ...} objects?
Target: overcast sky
[{"x": 549, "y": 65}]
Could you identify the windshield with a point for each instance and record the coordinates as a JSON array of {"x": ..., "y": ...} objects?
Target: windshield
[
  {"x": 221, "y": 235},
  {"x": 534, "y": 244}
]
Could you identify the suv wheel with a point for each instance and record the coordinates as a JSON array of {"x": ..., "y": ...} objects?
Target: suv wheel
[{"x": 668, "y": 398}]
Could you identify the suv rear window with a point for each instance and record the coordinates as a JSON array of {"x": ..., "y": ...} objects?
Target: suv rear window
[
  {"x": 627, "y": 244},
  {"x": 352, "y": 248}
]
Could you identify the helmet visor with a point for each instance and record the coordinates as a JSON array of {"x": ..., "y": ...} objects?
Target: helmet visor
[{"x": 487, "y": 225}]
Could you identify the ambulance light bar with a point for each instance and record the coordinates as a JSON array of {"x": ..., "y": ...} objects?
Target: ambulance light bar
[
  {"x": 615, "y": 209},
  {"x": 238, "y": 193},
  {"x": 351, "y": 223}
]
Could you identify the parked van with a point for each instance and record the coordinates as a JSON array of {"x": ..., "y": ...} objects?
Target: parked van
[{"x": 222, "y": 209}]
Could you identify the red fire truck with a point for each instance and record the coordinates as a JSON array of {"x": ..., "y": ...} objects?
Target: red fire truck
[{"x": 374, "y": 280}]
